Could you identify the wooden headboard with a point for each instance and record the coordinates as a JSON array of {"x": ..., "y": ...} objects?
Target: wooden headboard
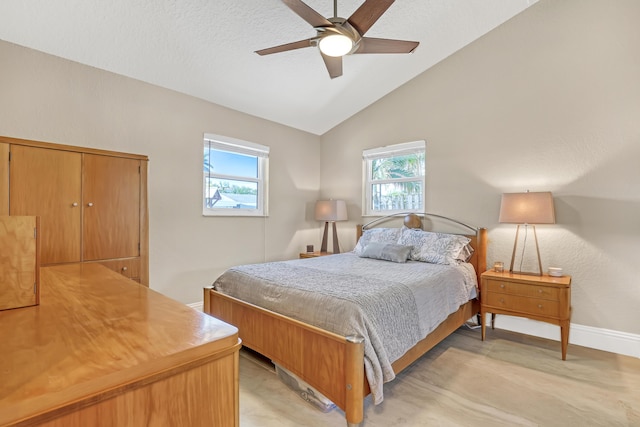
[{"x": 412, "y": 220}]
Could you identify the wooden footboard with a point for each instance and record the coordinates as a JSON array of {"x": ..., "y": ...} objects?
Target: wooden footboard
[{"x": 332, "y": 364}]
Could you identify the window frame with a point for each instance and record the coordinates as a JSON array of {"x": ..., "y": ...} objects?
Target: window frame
[
  {"x": 238, "y": 146},
  {"x": 390, "y": 151}
]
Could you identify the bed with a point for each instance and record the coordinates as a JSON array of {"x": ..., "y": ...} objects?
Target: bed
[{"x": 315, "y": 345}]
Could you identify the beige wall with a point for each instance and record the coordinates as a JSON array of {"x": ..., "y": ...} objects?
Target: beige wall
[
  {"x": 50, "y": 99},
  {"x": 549, "y": 101}
]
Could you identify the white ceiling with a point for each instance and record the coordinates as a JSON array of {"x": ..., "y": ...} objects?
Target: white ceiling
[{"x": 205, "y": 48}]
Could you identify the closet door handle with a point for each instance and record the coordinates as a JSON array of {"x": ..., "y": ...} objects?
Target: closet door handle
[
  {"x": 74, "y": 204},
  {"x": 89, "y": 204}
]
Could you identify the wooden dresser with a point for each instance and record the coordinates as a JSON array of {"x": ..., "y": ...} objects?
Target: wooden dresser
[
  {"x": 102, "y": 350},
  {"x": 92, "y": 203}
]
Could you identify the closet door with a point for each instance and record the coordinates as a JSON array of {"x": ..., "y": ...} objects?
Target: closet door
[
  {"x": 4, "y": 178},
  {"x": 111, "y": 206},
  {"x": 46, "y": 183}
]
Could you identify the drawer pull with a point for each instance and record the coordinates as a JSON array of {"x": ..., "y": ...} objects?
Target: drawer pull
[
  {"x": 539, "y": 305},
  {"x": 539, "y": 291},
  {"x": 124, "y": 268},
  {"x": 502, "y": 300},
  {"x": 502, "y": 286}
]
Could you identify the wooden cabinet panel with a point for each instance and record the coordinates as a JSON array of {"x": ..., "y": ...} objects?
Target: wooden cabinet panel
[
  {"x": 19, "y": 263},
  {"x": 172, "y": 401},
  {"x": 46, "y": 183},
  {"x": 111, "y": 203},
  {"x": 4, "y": 178}
]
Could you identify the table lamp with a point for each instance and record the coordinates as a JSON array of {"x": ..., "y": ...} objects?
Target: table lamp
[
  {"x": 331, "y": 211},
  {"x": 528, "y": 208}
]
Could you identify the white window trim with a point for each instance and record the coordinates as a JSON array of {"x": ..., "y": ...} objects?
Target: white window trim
[
  {"x": 239, "y": 146},
  {"x": 389, "y": 151}
]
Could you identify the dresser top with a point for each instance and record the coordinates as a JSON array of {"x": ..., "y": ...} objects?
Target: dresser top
[{"x": 94, "y": 332}]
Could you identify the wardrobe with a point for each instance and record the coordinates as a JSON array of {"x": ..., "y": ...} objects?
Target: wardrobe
[{"x": 92, "y": 203}]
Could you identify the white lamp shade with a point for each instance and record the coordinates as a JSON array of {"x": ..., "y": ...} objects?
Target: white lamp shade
[
  {"x": 527, "y": 208},
  {"x": 331, "y": 210}
]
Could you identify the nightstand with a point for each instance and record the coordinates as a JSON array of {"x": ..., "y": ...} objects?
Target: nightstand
[
  {"x": 544, "y": 298},
  {"x": 314, "y": 254}
]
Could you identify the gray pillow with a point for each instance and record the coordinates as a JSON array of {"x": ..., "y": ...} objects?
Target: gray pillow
[
  {"x": 381, "y": 235},
  {"x": 386, "y": 252}
]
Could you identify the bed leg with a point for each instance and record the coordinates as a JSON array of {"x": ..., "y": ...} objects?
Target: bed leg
[{"x": 354, "y": 381}]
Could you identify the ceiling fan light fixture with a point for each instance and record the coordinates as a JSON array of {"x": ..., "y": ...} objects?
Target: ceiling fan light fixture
[{"x": 335, "y": 45}]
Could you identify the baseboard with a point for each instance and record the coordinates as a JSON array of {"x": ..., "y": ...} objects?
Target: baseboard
[
  {"x": 586, "y": 336},
  {"x": 197, "y": 305}
]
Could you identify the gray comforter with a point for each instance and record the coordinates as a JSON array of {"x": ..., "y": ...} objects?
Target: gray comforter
[{"x": 393, "y": 306}]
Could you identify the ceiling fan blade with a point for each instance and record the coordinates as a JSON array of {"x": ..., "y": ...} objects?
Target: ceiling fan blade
[
  {"x": 334, "y": 65},
  {"x": 367, "y": 14},
  {"x": 373, "y": 45},
  {"x": 308, "y": 14},
  {"x": 285, "y": 47}
]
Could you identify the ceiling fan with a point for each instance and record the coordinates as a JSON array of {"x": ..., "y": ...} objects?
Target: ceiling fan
[{"x": 337, "y": 36}]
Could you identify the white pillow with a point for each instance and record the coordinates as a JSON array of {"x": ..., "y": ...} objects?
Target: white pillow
[
  {"x": 466, "y": 253},
  {"x": 435, "y": 248},
  {"x": 378, "y": 235}
]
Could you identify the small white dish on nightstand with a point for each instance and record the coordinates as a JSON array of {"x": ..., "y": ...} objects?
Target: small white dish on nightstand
[{"x": 555, "y": 271}]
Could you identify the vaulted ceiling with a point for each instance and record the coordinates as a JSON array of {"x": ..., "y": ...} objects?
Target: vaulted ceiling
[{"x": 205, "y": 48}]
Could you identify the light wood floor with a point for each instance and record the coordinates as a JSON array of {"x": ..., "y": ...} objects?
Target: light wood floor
[{"x": 508, "y": 380}]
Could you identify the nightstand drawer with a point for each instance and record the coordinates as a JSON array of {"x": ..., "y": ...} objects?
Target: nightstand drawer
[
  {"x": 523, "y": 304},
  {"x": 528, "y": 290}
]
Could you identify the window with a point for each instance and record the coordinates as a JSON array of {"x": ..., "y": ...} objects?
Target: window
[
  {"x": 394, "y": 179},
  {"x": 235, "y": 177}
]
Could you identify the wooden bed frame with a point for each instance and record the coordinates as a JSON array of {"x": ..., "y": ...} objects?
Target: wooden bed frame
[{"x": 331, "y": 363}]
